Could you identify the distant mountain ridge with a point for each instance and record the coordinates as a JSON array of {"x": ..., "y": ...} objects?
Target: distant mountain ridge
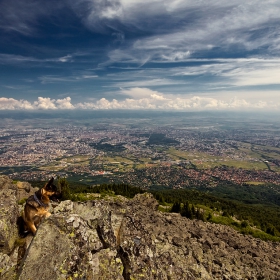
[{"x": 120, "y": 238}]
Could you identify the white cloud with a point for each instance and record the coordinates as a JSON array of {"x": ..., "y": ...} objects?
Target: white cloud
[
  {"x": 147, "y": 82},
  {"x": 11, "y": 58},
  {"x": 13, "y": 104},
  {"x": 255, "y": 72},
  {"x": 176, "y": 56},
  {"x": 14, "y": 59},
  {"x": 66, "y": 58},
  {"x": 45, "y": 103},
  {"x": 50, "y": 79},
  {"x": 204, "y": 75},
  {"x": 64, "y": 103},
  {"x": 244, "y": 25},
  {"x": 139, "y": 93},
  {"x": 238, "y": 72},
  {"x": 144, "y": 98},
  {"x": 195, "y": 103},
  {"x": 88, "y": 77}
]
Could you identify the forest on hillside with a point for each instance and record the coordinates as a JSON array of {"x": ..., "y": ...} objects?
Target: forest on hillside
[{"x": 259, "y": 220}]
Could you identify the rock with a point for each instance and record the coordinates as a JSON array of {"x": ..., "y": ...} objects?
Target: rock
[
  {"x": 24, "y": 186},
  {"x": 8, "y": 215},
  {"x": 24, "y": 190},
  {"x": 64, "y": 206},
  {"x": 70, "y": 248},
  {"x": 6, "y": 183},
  {"x": 7, "y": 267},
  {"x": 146, "y": 200},
  {"x": 129, "y": 239}
]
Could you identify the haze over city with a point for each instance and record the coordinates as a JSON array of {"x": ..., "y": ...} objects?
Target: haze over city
[{"x": 159, "y": 55}]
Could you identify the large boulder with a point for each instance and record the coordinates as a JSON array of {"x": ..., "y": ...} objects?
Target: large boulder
[
  {"x": 129, "y": 239},
  {"x": 8, "y": 215},
  {"x": 8, "y": 228},
  {"x": 8, "y": 266},
  {"x": 24, "y": 190}
]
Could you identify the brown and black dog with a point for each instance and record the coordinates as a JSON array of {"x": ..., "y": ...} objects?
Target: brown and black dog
[{"x": 37, "y": 206}]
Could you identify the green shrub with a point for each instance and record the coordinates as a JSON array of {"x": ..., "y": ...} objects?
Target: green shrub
[
  {"x": 244, "y": 224},
  {"x": 63, "y": 186},
  {"x": 235, "y": 224}
]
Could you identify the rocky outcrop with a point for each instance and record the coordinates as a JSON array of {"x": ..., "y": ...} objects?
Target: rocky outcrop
[
  {"x": 118, "y": 238},
  {"x": 8, "y": 227},
  {"x": 24, "y": 190},
  {"x": 8, "y": 214},
  {"x": 130, "y": 239}
]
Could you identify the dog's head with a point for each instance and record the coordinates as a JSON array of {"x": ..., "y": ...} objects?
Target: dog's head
[{"x": 50, "y": 189}]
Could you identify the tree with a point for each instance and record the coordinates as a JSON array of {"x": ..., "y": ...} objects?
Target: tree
[
  {"x": 186, "y": 211},
  {"x": 244, "y": 224},
  {"x": 199, "y": 215},
  {"x": 209, "y": 217},
  {"x": 176, "y": 207},
  {"x": 193, "y": 210},
  {"x": 270, "y": 229},
  {"x": 64, "y": 188}
]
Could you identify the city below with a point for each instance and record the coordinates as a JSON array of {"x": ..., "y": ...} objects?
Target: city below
[{"x": 160, "y": 150}]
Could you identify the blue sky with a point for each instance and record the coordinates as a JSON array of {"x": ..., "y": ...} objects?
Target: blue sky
[{"x": 131, "y": 54}]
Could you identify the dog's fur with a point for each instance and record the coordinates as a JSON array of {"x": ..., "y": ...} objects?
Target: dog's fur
[{"x": 37, "y": 205}]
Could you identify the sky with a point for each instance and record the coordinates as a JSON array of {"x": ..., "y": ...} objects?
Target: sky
[{"x": 177, "y": 55}]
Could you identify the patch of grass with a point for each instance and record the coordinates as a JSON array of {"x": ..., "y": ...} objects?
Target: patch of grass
[
  {"x": 204, "y": 160},
  {"x": 117, "y": 159},
  {"x": 224, "y": 220},
  {"x": 243, "y": 227},
  {"x": 140, "y": 166},
  {"x": 22, "y": 201},
  {"x": 19, "y": 242},
  {"x": 254, "y": 183},
  {"x": 264, "y": 236},
  {"x": 246, "y": 164},
  {"x": 52, "y": 167},
  {"x": 144, "y": 160},
  {"x": 164, "y": 209},
  {"x": 80, "y": 197}
]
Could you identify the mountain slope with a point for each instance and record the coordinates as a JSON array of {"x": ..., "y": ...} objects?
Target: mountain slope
[{"x": 119, "y": 238}]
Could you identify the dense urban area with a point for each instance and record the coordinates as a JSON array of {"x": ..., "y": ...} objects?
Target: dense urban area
[{"x": 169, "y": 152}]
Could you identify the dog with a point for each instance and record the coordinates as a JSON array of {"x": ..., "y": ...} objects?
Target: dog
[{"x": 37, "y": 206}]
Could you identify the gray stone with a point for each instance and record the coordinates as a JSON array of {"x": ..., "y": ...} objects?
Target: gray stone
[
  {"x": 7, "y": 267},
  {"x": 24, "y": 190},
  {"x": 8, "y": 215}
]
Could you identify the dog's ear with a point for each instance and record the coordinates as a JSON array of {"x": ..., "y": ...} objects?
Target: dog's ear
[{"x": 48, "y": 185}]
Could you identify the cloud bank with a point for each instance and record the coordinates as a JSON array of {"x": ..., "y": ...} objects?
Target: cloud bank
[{"x": 147, "y": 100}]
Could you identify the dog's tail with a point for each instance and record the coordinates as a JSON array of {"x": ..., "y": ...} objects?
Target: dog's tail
[{"x": 22, "y": 230}]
